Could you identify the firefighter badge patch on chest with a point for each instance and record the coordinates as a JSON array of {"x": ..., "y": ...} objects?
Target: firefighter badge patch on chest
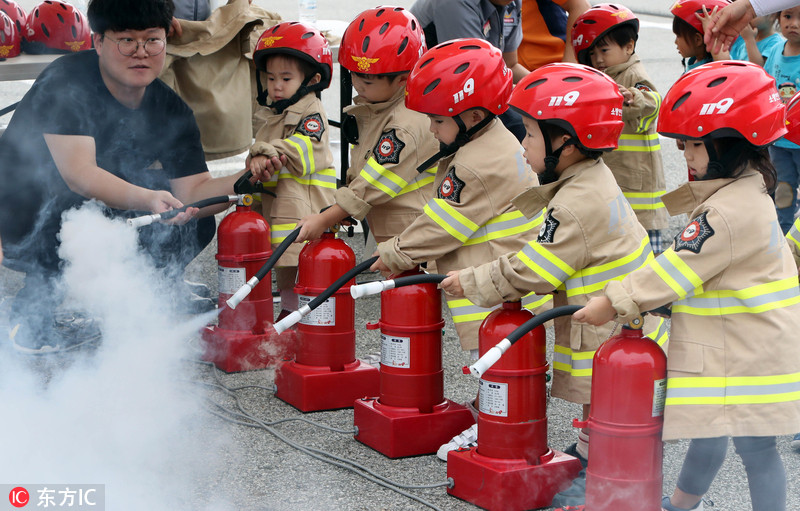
[
  {"x": 388, "y": 148},
  {"x": 548, "y": 230},
  {"x": 451, "y": 187},
  {"x": 694, "y": 235},
  {"x": 312, "y": 127}
]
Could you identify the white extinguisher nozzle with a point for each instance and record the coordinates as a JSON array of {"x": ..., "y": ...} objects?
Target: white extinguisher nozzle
[
  {"x": 291, "y": 320},
  {"x": 370, "y": 288},
  {"x": 141, "y": 221},
  {"x": 489, "y": 358},
  {"x": 237, "y": 297}
]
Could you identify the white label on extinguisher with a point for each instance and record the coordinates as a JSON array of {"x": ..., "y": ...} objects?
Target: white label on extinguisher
[
  {"x": 395, "y": 351},
  {"x": 659, "y": 397},
  {"x": 231, "y": 279},
  {"x": 323, "y": 315},
  {"x": 493, "y": 398}
]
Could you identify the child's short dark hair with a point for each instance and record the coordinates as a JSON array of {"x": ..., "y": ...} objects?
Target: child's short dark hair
[
  {"x": 621, "y": 35},
  {"x": 387, "y": 76},
  {"x": 682, "y": 28},
  {"x": 119, "y": 15},
  {"x": 555, "y": 131},
  {"x": 744, "y": 156}
]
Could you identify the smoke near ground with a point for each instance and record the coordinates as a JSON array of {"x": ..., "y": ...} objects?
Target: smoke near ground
[{"x": 122, "y": 415}]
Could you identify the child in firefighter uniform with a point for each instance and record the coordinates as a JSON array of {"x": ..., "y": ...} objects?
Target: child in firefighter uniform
[
  {"x": 388, "y": 141},
  {"x": 590, "y": 235},
  {"x": 292, "y": 146},
  {"x": 733, "y": 358},
  {"x": 604, "y": 37},
  {"x": 462, "y": 86}
]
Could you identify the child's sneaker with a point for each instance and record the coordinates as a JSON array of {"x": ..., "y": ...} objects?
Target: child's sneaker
[
  {"x": 463, "y": 440},
  {"x": 796, "y": 442},
  {"x": 667, "y": 506}
]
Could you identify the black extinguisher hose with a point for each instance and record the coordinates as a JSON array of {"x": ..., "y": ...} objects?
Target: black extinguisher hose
[{"x": 166, "y": 215}]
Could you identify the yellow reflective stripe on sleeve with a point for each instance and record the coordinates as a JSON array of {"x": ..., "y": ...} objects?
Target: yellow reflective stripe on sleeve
[
  {"x": 576, "y": 363},
  {"x": 464, "y": 311},
  {"x": 278, "y": 232},
  {"x": 325, "y": 178},
  {"x": 446, "y": 217},
  {"x": 751, "y": 300},
  {"x": 645, "y": 122},
  {"x": 595, "y": 278},
  {"x": 303, "y": 145},
  {"x": 661, "y": 334},
  {"x": 532, "y": 301},
  {"x": 676, "y": 274},
  {"x": 423, "y": 179},
  {"x": 733, "y": 390},
  {"x": 645, "y": 200},
  {"x": 507, "y": 224},
  {"x": 638, "y": 143},
  {"x": 794, "y": 233},
  {"x": 544, "y": 263},
  {"x": 382, "y": 178}
]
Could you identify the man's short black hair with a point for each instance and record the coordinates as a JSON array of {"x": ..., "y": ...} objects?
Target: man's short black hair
[{"x": 119, "y": 15}]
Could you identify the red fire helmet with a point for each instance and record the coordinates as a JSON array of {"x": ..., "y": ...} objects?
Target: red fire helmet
[
  {"x": 793, "y": 119},
  {"x": 16, "y": 13},
  {"x": 56, "y": 27},
  {"x": 298, "y": 40},
  {"x": 10, "y": 38},
  {"x": 457, "y": 75},
  {"x": 727, "y": 98},
  {"x": 580, "y": 99},
  {"x": 382, "y": 40},
  {"x": 686, "y": 10},
  {"x": 595, "y": 23}
]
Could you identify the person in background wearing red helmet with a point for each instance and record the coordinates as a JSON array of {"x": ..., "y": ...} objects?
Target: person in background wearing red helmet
[
  {"x": 590, "y": 235},
  {"x": 604, "y": 37},
  {"x": 732, "y": 365},
  {"x": 292, "y": 147},
  {"x": 463, "y": 85},
  {"x": 389, "y": 141},
  {"x": 98, "y": 124},
  {"x": 689, "y": 17},
  {"x": 10, "y": 38}
]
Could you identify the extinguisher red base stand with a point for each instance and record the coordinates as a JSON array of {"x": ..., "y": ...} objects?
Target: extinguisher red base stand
[
  {"x": 234, "y": 351},
  {"x": 311, "y": 388},
  {"x": 398, "y": 432},
  {"x": 509, "y": 484}
]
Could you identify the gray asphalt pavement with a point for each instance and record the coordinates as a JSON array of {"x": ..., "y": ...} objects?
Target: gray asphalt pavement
[{"x": 208, "y": 463}]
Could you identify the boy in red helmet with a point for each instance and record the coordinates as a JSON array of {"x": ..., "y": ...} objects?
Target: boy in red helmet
[
  {"x": 292, "y": 147},
  {"x": 389, "y": 141},
  {"x": 572, "y": 114}
]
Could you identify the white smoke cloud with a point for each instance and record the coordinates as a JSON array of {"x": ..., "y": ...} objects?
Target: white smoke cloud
[{"x": 122, "y": 416}]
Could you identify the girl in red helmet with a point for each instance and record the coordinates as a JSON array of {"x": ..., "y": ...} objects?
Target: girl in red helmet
[
  {"x": 732, "y": 284},
  {"x": 292, "y": 146},
  {"x": 590, "y": 235},
  {"x": 604, "y": 37},
  {"x": 388, "y": 141},
  {"x": 689, "y": 18}
]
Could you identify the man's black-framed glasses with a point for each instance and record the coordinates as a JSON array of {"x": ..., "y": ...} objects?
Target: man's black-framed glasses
[{"x": 127, "y": 46}]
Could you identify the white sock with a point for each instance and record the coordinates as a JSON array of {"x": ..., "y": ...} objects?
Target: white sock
[{"x": 583, "y": 444}]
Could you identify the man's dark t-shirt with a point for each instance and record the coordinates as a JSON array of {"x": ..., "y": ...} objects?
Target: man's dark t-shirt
[{"x": 148, "y": 146}]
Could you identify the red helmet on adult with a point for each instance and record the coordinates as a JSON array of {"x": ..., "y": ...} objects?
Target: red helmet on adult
[
  {"x": 793, "y": 119},
  {"x": 595, "y": 23},
  {"x": 56, "y": 27},
  {"x": 687, "y": 9},
  {"x": 457, "y": 75},
  {"x": 298, "y": 40},
  {"x": 382, "y": 40},
  {"x": 728, "y": 98},
  {"x": 16, "y": 13},
  {"x": 582, "y": 100},
  {"x": 10, "y": 38}
]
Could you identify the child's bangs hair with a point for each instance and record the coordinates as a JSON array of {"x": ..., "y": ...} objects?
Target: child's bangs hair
[
  {"x": 683, "y": 29},
  {"x": 620, "y": 36},
  {"x": 307, "y": 69}
]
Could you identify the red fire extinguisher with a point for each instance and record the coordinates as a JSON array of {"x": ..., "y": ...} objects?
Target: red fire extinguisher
[
  {"x": 629, "y": 384},
  {"x": 325, "y": 373}
]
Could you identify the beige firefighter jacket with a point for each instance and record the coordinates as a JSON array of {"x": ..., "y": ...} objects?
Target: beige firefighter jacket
[
  {"x": 308, "y": 181},
  {"x": 734, "y": 357},
  {"x": 470, "y": 219},
  {"x": 383, "y": 184},
  {"x": 793, "y": 237},
  {"x": 636, "y": 163},
  {"x": 209, "y": 67},
  {"x": 589, "y": 236}
]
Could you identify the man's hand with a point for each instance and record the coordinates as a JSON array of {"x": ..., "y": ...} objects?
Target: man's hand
[
  {"x": 726, "y": 25},
  {"x": 161, "y": 201},
  {"x": 452, "y": 285},
  {"x": 175, "y": 28},
  {"x": 598, "y": 311}
]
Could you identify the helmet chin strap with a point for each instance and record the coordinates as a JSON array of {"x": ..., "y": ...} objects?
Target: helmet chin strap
[
  {"x": 551, "y": 157},
  {"x": 464, "y": 136},
  {"x": 282, "y": 104}
]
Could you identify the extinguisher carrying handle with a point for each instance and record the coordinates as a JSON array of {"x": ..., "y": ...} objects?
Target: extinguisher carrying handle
[
  {"x": 295, "y": 317},
  {"x": 141, "y": 221},
  {"x": 495, "y": 352},
  {"x": 243, "y": 291},
  {"x": 243, "y": 185},
  {"x": 373, "y": 288}
]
